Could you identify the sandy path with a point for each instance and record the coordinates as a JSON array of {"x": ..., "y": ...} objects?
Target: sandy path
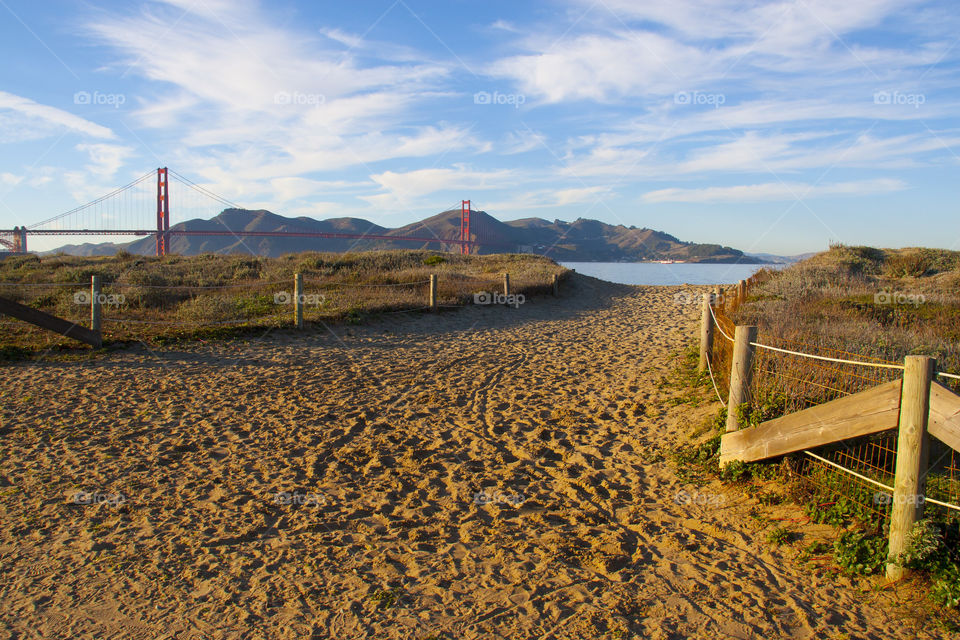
[{"x": 485, "y": 473}]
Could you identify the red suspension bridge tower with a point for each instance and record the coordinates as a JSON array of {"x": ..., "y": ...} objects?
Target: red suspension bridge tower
[
  {"x": 163, "y": 212},
  {"x": 465, "y": 227}
]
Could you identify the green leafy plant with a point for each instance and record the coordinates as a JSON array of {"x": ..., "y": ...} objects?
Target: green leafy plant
[
  {"x": 926, "y": 548},
  {"x": 779, "y": 536},
  {"x": 387, "y": 598},
  {"x": 946, "y": 587},
  {"x": 860, "y": 553}
]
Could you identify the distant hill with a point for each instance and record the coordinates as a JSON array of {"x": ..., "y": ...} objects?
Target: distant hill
[
  {"x": 581, "y": 240},
  {"x": 771, "y": 258}
]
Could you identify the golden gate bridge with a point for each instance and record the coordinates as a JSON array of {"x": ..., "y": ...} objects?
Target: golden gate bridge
[{"x": 126, "y": 210}]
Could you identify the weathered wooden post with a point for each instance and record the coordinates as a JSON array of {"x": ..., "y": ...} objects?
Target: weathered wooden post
[
  {"x": 741, "y": 372},
  {"x": 706, "y": 333},
  {"x": 556, "y": 285},
  {"x": 433, "y": 292},
  {"x": 506, "y": 286},
  {"x": 95, "y": 313},
  {"x": 298, "y": 300},
  {"x": 741, "y": 292},
  {"x": 913, "y": 443}
]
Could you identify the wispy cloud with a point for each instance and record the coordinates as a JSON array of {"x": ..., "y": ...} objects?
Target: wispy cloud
[
  {"x": 774, "y": 191},
  {"x": 24, "y": 119}
]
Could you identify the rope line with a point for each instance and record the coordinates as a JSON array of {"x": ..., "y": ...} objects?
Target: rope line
[
  {"x": 44, "y": 284},
  {"x": 878, "y": 484},
  {"x": 195, "y": 287},
  {"x": 953, "y": 376},
  {"x": 853, "y": 473},
  {"x": 719, "y": 328},
  {"x": 810, "y": 355},
  {"x": 207, "y": 287},
  {"x": 710, "y": 370},
  {"x": 351, "y": 284},
  {"x": 194, "y": 324}
]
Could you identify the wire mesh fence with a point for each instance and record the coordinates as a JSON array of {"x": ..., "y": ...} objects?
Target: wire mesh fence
[{"x": 852, "y": 478}]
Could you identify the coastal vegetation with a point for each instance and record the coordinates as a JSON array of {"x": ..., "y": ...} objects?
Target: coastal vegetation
[{"x": 187, "y": 297}]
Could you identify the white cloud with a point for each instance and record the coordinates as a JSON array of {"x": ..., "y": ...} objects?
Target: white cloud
[
  {"x": 600, "y": 67},
  {"x": 405, "y": 189},
  {"x": 774, "y": 191},
  {"x": 294, "y": 188},
  {"x": 105, "y": 159},
  {"x": 24, "y": 119},
  {"x": 254, "y": 102},
  {"x": 10, "y": 179}
]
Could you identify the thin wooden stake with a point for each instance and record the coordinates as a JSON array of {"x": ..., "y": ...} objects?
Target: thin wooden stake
[
  {"x": 433, "y": 292},
  {"x": 298, "y": 300},
  {"x": 706, "y": 333},
  {"x": 741, "y": 373},
  {"x": 556, "y": 285},
  {"x": 95, "y": 313},
  {"x": 506, "y": 285}
]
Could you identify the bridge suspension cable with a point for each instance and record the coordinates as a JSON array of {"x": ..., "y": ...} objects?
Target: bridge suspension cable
[{"x": 113, "y": 193}]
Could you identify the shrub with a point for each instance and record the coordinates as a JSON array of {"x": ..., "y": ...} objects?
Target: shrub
[
  {"x": 925, "y": 546},
  {"x": 946, "y": 587},
  {"x": 860, "y": 553}
]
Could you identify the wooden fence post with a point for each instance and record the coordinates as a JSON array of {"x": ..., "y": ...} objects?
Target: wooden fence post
[
  {"x": 706, "y": 333},
  {"x": 433, "y": 292},
  {"x": 741, "y": 372},
  {"x": 95, "y": 303},
  {"x": 741, "y": 292},
  {"x": 506, "y": 285},
  {"x": 298, "y": 300},
  {"x": 913, "y": 445},
  {"x": 556, "y": 285}
]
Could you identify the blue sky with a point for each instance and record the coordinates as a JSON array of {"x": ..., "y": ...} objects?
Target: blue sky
[{"x": 769, "y": 126}]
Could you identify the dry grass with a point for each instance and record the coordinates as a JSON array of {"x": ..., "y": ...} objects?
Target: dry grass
[
  {"x": 216, "y": 295},
  {"x": 878, "y": 303}
]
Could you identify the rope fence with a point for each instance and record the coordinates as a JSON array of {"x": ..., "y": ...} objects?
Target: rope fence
[
  {"x": 785, "y": 376},
  {"x": 137, "y": 310}
]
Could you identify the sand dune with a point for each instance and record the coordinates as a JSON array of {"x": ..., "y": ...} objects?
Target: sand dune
[{"x": 482, "y": 473}]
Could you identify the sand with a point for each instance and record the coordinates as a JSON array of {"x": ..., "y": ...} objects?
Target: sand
[{"x": 486, "y": 472}]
